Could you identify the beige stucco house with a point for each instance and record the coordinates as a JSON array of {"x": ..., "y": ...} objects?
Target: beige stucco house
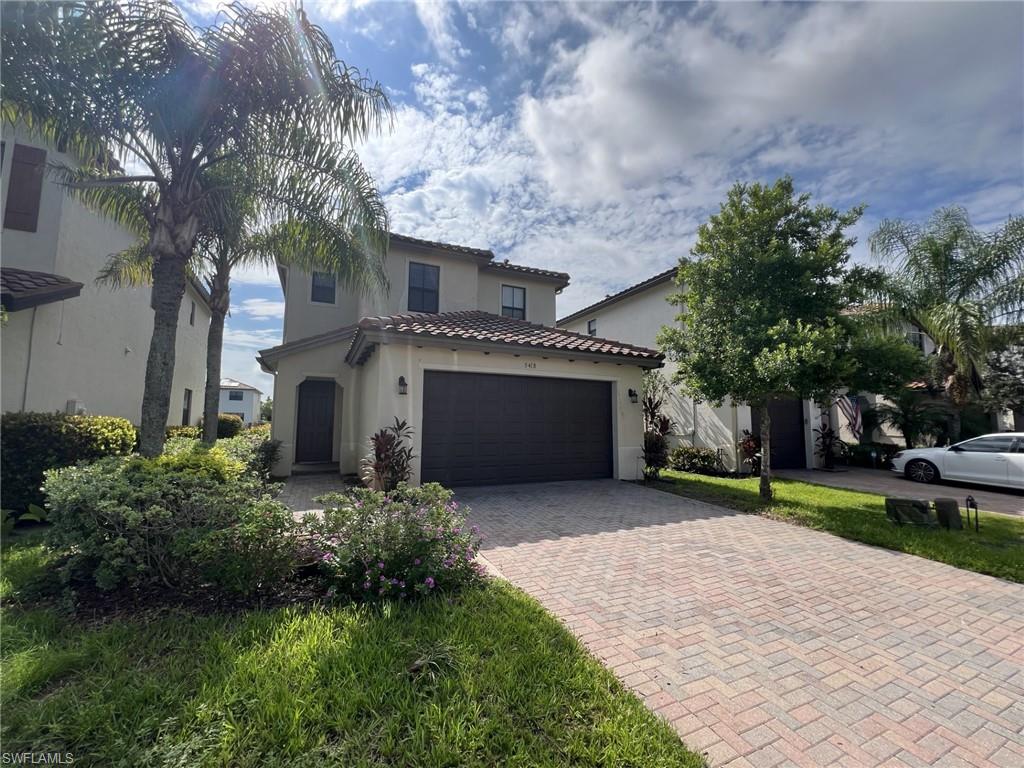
[
  {"x": 70, "y": 345},
  {"x": 636, "y": 315},
  {"x": 464, "y": 348}
]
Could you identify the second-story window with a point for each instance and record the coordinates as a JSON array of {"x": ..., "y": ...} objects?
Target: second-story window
[
  {"x": 235, "y": 394},
  {"x": 324, "y": 284},
  {"x": 192, "y": 314},
  {"x": 592, "y": 327},
  {"x": 25, "y": 188},
  {"x": 424, "y": 280},
  {"x": 513, "y": 302}
]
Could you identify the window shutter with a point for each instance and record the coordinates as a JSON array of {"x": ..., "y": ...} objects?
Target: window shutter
[{"x": 25, "y": 188}]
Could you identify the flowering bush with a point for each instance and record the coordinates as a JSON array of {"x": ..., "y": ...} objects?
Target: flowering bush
[{"x": 409, "y": 542}]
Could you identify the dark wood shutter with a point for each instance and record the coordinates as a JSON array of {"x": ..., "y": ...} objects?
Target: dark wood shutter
[{"x": 25, "y": 188}]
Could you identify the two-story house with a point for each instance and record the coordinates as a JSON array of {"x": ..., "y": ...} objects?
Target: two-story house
[
  {"x": 464, "y": 348},
  {"x": 69, "y": 344},
  {"x": 240, "y": 399}
]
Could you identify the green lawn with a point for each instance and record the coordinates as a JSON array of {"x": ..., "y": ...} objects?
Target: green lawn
[
  {"x": 998, "y": 549},
  {"x": 498, "y": 682}
]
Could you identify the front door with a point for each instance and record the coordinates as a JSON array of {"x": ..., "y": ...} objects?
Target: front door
[
  {"x": 315, "y": 423},
  {"x": 787, "y": 415}
]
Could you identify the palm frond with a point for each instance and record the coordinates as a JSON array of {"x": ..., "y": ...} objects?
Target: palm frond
[{"x": 128, "y": 268}]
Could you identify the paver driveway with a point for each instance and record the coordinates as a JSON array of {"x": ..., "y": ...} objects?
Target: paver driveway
[{"x": 764, "y": 643}]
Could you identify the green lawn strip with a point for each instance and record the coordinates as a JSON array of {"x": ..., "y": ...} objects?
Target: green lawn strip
[
  {"x": 997, "y": 550},
  {"x": 501, "y": 682}
]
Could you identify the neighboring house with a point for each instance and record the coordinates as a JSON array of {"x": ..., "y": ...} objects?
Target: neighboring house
[
  {"x": 636, "y": 315},
  {"x": 463, "y": 348},
  {"x": 69, "y": 344},
  {"x": 240, "y": 399}
]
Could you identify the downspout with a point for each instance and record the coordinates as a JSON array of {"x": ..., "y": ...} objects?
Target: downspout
[
  {"x": 735, "y": 438},
  {"x": 28, "y": 360}
]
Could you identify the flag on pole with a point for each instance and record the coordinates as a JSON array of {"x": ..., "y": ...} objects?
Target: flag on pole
[{"x": 851, "y": 410}]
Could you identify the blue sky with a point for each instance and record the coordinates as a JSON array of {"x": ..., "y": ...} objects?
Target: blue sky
[{"x": 594, "y": 138}]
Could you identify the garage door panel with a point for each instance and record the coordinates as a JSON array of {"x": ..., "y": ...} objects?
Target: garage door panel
[{"x": 489, "y": 428}]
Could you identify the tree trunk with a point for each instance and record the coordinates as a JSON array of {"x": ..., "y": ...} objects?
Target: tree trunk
[
  {"x": 220, "y": 300},
  {"x": 766, "y": 452},
  {"x": 171, "y": 242},
  {"x": 168, "y": 290}
]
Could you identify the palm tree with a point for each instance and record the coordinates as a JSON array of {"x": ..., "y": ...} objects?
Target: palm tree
[
  {"x": 962, "y": 287},
  {"x": 156, "y": 105},
  {"x": 230, "y": 236},
  {"x": 912, "y": 415}
]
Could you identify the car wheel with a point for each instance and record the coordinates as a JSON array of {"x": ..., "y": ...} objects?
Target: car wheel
[{"x": 922, "y": 471}]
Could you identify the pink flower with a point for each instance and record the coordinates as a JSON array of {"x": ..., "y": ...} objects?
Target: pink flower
[{"x": 429, "y": 581}]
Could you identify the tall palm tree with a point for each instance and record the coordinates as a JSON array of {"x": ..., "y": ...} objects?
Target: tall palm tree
[
  {"x": 913, "y": 415},
  {"x": 159, "y": 104},
  {"x": 962, "y": 287},
  {"x": 232, "y": 236}
]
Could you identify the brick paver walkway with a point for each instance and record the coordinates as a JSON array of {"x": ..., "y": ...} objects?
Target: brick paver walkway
[{"x": 767, "y": 644}]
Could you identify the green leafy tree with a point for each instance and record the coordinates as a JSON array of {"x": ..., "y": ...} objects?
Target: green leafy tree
[
  {"x": 155, "y": 105},
  {"x": 962, "y": 287},
  {"x": 1004, "y": 382},
  {"x": 267, "y": 409},
  {"x": 762, "y": 303},
  {"x": 884, "y": 363}
]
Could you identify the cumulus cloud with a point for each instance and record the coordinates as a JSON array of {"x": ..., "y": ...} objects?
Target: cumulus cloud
[{"x": 438, "y": 19}]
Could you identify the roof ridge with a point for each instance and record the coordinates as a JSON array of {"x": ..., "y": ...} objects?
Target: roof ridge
[{"x": 613, "y": 297}]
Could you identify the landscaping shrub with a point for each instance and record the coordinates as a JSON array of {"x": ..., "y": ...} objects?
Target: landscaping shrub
[
  {"x": 389, "y": 461},
  {"x": 687, "y": 458},
  {"x": 35, "y": 442},
  {"x": 180, "y": 520},
  {"x": 193, "y": 433},
  {"x": 228, "y": 425},
  {"x": 655, "y": 454},
  {"x": 401, "y": 544},
  {"x": 252, "y": 448}
]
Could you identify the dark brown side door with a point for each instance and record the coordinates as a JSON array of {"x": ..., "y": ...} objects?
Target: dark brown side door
[
  {"x": 481, "y": 429},
  {"x": 315, "y": 422}
]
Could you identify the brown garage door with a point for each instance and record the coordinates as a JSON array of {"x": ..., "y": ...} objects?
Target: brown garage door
[{"x": 482, "y": 428}]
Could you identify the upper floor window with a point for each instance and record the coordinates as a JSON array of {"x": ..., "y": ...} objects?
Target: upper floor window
[
  {"x": 324, "y": 284},
  {"x": 25, "y": 188},
  {"x": 513, "y": 302},
  {"x": 235, "y": 394},
  {"x": 192, "y": 314},
  {"x": 592, "y": 327},
  {"x": 424, "y": 280},
  {"x": 186, "y": 408}
]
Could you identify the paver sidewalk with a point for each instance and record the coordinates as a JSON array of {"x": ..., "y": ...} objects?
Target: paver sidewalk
[{"x": 764, "y": 643}]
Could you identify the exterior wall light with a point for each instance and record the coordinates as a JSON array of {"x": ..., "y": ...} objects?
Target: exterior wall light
[
  {"x": 403, "y": 387},
  {"x": 633, "y": 396}
]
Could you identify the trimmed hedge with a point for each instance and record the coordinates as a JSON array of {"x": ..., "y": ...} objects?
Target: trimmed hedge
[
  {"x": 35, "y": 442},
  {"x": 192, "y": 433},
  {"x": 686, "y": 458}
]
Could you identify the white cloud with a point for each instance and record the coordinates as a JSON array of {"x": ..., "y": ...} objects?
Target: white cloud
[
  {"x": 251, "y": 338},
  {"x": 438, "y": 20},
  {"x": 256, "y": 275},
  {"x": 260, "y": 308}
]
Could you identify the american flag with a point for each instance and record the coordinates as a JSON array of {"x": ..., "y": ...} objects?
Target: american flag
[{"x": 851, "y": 410}]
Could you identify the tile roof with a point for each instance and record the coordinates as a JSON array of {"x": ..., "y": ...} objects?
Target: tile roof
[
  {"x": 483, "y": 252},
  {"x": 488, "y": 329},
  {"x": 25, "y": 288},
  {"x": 267, "y": 357},
  {"x": 562, "y": 277},
  {"x": 643, "y": 285}
]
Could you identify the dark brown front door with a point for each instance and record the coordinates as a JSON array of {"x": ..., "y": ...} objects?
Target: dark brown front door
[
  {"x": 787, "y": 432},
  {"x": 480, "y": 429},
  {"x": 313, "y": 441}
]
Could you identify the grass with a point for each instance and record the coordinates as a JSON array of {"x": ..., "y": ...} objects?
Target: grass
[
  {"x": 997, "y": 550},
  {"x": 489, "y": 678}
]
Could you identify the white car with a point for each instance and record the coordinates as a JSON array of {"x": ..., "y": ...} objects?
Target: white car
[{"x": 990, "y": 459}]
